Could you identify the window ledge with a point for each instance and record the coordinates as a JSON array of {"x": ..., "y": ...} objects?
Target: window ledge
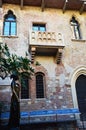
[
  {"x": 28, "y": 99},
  {"x": 13, "y": 36},
  {"x": 39, "y": 99},
  {"x": 78, "y": 40}
]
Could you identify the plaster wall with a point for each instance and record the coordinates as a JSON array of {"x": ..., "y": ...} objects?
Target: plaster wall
[{"x": 58, "y": 83}]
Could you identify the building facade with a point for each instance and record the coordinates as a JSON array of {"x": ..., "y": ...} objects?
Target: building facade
[{"x": 54, "y": 36}]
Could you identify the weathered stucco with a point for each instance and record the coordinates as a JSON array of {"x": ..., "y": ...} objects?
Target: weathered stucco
[{"x": 58, "y": 81}]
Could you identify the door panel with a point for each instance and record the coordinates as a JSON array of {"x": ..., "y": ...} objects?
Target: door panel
[{"x": 81, "y": 93}]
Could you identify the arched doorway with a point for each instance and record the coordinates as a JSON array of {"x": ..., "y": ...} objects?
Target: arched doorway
[
  {"x": 80, "y": 86},
  {"x": 78, "y": 76}
]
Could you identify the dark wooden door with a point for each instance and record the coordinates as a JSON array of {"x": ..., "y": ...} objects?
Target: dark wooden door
[{"x": 81, "y": 94}]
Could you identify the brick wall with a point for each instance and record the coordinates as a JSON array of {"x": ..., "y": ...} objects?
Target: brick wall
[{"x": 58, "y": 84}]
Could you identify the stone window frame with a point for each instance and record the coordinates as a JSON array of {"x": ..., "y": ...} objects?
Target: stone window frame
[
  {"x": 25, "y": 91},
  {"x": 10, "y": 21},
  {"x": 75, "y": 26},
  {"x": 38, "y": 69},
  {"x": 39, "y": 25},
  {"x": 40, "y": 86}
]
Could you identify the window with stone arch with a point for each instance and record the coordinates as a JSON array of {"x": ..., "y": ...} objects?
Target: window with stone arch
[
  {"x": 9, "y": 25},
  {"x": 24, "y": 86},
  {"x": 76, "y": 28},
  {"x": 40, "y": 85}
]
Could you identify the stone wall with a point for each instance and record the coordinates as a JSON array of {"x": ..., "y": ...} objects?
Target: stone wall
[{"x": 58, "y": 77}]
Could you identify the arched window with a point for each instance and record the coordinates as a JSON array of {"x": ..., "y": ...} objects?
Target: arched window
[
  {"x": 24, "y": 87},
  {"x": 40, "y": 85},
  {"x": 9, "y": 24},
  {"x": 76, "y": 28}
]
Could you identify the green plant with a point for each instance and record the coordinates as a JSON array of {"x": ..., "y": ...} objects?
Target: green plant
[
  {"x": 11, "y": 63},
  {"x": 15, "y": 66}
]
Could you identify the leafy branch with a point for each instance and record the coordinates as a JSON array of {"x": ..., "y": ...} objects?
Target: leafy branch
[{"x": 11, "y": 63}]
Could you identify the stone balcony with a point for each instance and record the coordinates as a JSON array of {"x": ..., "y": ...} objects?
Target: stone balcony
[
  {"x": 46, "y": 38},
  {"x": 46, "y": 43}
]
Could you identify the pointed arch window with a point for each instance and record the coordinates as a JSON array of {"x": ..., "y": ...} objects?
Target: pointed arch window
[
  {"x": 9, "y": 24},
  {"x": 24, "y": 87},
  {"x": 76, "y": 28},
  {"x": 40, "y": 85}
]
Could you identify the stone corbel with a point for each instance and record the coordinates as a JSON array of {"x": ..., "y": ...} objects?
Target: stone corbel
[
  {"x": 59, "y": 56},
  {"x": 33, "y": 51}
]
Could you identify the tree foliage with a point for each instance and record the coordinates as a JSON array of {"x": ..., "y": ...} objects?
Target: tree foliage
[{"x": 11, "y": 63}]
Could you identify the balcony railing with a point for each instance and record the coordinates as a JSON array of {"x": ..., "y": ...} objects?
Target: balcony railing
[
  {"x": 46, "y": 38},
  {"x": 46, "y": 43}
]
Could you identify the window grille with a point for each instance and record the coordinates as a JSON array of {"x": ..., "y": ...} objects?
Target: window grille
[
  {"x": 24, "y": 87},
  {"x": 39, "y": 85}
]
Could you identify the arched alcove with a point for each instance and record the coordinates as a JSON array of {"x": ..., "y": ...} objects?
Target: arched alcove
[
  {"x": 78, "y": 77},
  {"x": 81, "y": 95}
]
